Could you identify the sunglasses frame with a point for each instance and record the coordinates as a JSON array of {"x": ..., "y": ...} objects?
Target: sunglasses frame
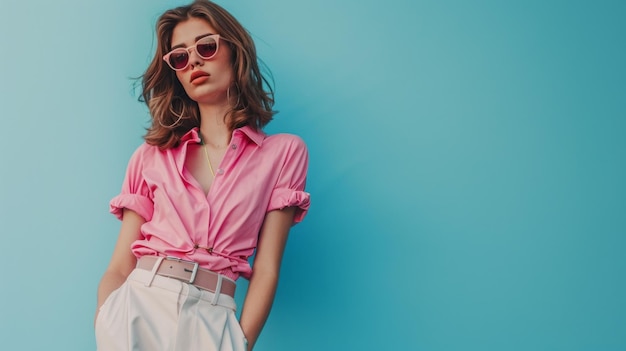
[{"x": 215, "y": 37}]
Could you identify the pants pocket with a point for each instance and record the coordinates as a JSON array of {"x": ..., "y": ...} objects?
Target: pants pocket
[
  {"x": 106, "y": 305},
  {"x": 238, "y": 331}
]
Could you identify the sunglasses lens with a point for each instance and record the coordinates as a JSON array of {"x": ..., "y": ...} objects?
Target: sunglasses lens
[
  {"x": 178, "y": 60},
  {"x": 207, "y": 47}
]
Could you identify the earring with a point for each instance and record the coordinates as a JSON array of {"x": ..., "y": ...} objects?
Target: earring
[{"x": 179, "y": 115}]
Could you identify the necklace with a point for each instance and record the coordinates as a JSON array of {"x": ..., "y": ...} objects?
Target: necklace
[{"x": 206, "y": 153}]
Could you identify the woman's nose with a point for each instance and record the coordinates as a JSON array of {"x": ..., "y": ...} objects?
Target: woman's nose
[{"x": 194, "y": 58}]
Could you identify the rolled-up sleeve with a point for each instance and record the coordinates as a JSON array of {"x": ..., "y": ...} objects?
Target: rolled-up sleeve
[
  {"x": 135, "y": 194},
  {"x": 289, "y": 188}
]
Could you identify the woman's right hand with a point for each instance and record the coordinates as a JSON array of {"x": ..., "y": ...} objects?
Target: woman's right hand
[{"x": 123, "y": 261}]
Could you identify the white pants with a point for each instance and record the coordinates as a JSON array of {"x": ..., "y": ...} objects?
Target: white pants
[{"x": 153, "y": 313}]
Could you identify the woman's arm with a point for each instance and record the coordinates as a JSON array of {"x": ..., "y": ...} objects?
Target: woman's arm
[
  {"x": 123, "y": 261},
  {"x": 265, "y": 270}
]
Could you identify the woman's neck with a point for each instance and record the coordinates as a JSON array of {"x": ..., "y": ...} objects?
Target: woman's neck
[{"x": 214, "y": 126}]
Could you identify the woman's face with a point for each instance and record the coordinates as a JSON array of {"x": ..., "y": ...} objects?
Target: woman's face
[{"x": 205, "y": 81}]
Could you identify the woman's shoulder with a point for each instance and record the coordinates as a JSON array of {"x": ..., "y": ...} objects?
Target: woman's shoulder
[
  {"x": 145, "y": 149},
  {"x": 284, "y": 147},
  {"x": 285, "y": 141},
  {"x": 145, "y": 152}
]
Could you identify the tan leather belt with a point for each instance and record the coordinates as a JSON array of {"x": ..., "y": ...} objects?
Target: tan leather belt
[{"x": 188, "y": 272}]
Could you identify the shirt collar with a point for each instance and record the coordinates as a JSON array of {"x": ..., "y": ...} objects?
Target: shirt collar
[
  {"x": 256, "y": 136},
  {"x": 191, "y": 135}
]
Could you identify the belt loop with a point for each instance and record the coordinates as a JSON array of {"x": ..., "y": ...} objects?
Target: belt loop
[
  {"x": 218, "y": 290},
  {"x": 154, "y": 270}
]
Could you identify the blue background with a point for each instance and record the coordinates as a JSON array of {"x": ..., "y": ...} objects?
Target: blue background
[{"x": 467, "y": 169}]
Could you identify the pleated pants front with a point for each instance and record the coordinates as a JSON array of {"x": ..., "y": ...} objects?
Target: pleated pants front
[{"x": 154, "y": 313}]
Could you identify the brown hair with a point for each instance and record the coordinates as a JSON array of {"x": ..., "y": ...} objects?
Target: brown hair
[{"x": 173, "y": 112}]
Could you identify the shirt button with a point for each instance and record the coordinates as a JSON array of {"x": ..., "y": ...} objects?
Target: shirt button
[
  {"x": 220, "y": 171},
  {"x": 234, "y": 147}
]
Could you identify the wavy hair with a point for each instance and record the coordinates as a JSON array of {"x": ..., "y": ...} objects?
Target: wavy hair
[{"x": 173, "y": 112}]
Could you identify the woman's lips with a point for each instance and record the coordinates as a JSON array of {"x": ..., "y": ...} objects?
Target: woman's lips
[{"x": 198, "y": 77}]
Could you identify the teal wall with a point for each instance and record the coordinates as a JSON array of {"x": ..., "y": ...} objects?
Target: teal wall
[{"x": 467, "y": 169}]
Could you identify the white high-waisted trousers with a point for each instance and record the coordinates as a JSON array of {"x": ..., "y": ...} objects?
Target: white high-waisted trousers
[{"x": 154, "y": 313}]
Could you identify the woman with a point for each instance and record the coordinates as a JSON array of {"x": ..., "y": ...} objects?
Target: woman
[{"x": 205, "y": 190}]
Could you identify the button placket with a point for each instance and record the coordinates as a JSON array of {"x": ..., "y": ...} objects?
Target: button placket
[{"x": 227, "y": 156}]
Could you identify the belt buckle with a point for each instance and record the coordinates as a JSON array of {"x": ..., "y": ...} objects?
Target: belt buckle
[{"x": 194, "y": 271}]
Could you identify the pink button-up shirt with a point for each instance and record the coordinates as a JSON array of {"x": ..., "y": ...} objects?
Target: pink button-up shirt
[{"x": 259, "y": 173}]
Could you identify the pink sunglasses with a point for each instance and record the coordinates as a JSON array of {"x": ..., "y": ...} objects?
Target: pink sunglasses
[{"x": 205, "y": 47}]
